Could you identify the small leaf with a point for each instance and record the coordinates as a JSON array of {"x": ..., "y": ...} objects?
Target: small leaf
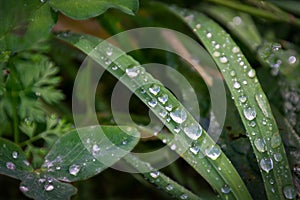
[
  {"x": 13, "y": 162},
  {"x": 79, "y": 9},
  {"x": 82, "y": 153}
]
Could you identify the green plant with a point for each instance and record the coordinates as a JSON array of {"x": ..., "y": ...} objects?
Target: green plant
[{"x": 47, "y": 153}]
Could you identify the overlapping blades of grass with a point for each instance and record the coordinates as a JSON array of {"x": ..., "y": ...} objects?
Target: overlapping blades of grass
[
  {"x": 190, "y": 141},
  {"x": 250, "y": 100}
]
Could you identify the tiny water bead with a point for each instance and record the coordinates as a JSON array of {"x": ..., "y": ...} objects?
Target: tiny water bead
[
  {"x": 74, "y": 169},
  {"x": 163, "y": 113},
  {"x": 10, "y": 165},
  {"x": 249, "y": 113},
  {"x": 193, "y": 130},
  {"x": 114, "y": 67},
  {"x": 24, "y": 188},
  {"x": 195, "y": 150},
  {"x": 216, "y": 54},
  {"x": 289, "y": 192},
  {"x": 155, "y": 174},
  {"x": 15, "y": 154},
  {"x": 208, "y": 35},
  {"x": 132, "y": 72},
  {"x": 266, "y": 164},
  {"x": 96, "y": 148},
  {"x": 109, "y": 51},
  {"x": 163, "y": 98},
  {"x": 225, "y": 189},
  {"x": 154, "y": 89},
  {"x": 213, "y": 152},
  {"x": 242, "y": 99},
  {"x": 236, "y": 85},
  {"x": 292, "y": 60},
  {"x": 169, "y": 107},
  {"x": 260, "y": 144},
  {"x": 178, "y": 115},
  {"x": 49, "y": 187},
  {"x": 235, "y": 50}
]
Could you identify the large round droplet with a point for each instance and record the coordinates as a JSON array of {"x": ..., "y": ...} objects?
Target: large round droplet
[
  {"x": 178, "y": 115},
  {"x": 213, "y": 152},
  {"x": 289, "y": 192},
  {"x": 260, "y": 144},
  {"x": 49, "y": 187},
  {"x": 249, "y": 113},
  {"x": 15, "y": 154},
  {"x": 251, "y": 73},
  {"x": 225, "y": 189},
  {"x": 266, "y": 164},
  {"x": 74, "y": 169},
  {"x": 193, "y": 130},
  {"x": 277, "y": 157},
  {"x": 223, "y": 59},
  {"x": 132, "y": 72}
]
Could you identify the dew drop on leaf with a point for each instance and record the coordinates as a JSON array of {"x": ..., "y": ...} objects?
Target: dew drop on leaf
[
  {"x": 74, "y": 169},
  {"x": 235, "y": 50},
  {"x": 208, "y": 35},
  {"x": 15, "y": 154},
  {"x": 277, "y": 157},
  {"x": 163, "y": 113},
  {"x": 49, "y": 187},
  {"x": 223, "y": 59},
  {"x": 152, "y": 103},
  {"x": 236, "y": 85},
  {"x": 242, "y": 99},
  {"x": 169, "y": 187},
  {"x": 251, "y": 73},
  {"x": 292, "y": 59},
  {"x": 132, "y": 72},
  {"x": 289, "y": 192},
  {"x": 249, "y": 113},
  {"x": 163, "y": 98},
  {"x": 260, "y": 144},
  {"x": 262, "y": 104},
  {"x": 213, "y": 152},
  {"x": 178, "y": 115},
  {"x": 24, "y": 188},
  {"x": 169, "y": 107},
  {"x": 266, "y": 164},
  {"x": 10, "y": 165},
  {"x": 183, "y": 196},
  {"x": 225, "y": 189},
  {"x": 193, "y": 130},
  {"x": 154, "y": 174},
  {"x": 275, "y": 140},
  {"x": 154, "y": 89},
  {"x": 109, "y": 51},
  {"x": 195, "y": 150}
]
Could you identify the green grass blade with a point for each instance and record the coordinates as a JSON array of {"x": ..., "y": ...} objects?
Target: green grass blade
[
  {"x": 250, "y": 100},
  {"x": 161, "y": 180},
  {"x": 215, "y": 167}
]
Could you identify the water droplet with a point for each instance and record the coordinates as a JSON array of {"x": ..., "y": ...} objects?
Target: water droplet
[
  {"x": 10, "y": 165},
  {"x": 225, "y": 189},
  {"x": 242, "y": 99},
  {"x": 262, "y": 104},
  {"x": 260, "y": 144},
  {"x": 58, "y": 168},
  {"x": 163, "y": 98},
  {"x": 178, "y": 115},
  {"x": 249, "y": 113},
  {"x": 216, "y": 54},
  {"x": 237, "y": 20},
  {"x": 223, "y": 59},
  {"x": 232, "y": 73},
  {"x": 236, "y": 85},
  {"x": 15, "y": 154},
  {"x": 193, "y": 130},
  {"x": 42, "y": 1},
  {"x": 74, "y": 169},
  {"x": 189, "y": 18},
  {"x": 24, "y": 188},
  {"x": 251, "y": 73},
  {"x": 213, "y": 152},
  {"x": 276, "y": 46},
  {"x": 195, "y": 150},
  {"x": 169, "y": 107},
  {"x": 289, "y": 192},
  {"x": 96, "y": 148},
  {"x": 49, "y": 187},
  {"x": 275, "y": 140},
  {"x": 109, "y": 51},
  {"x": 154, "y": 89},
  {"x": 235, "y": 50},
  {"x": 152, "y": 103},
  {"x": 114, "y": 67},
  {"x": 163, "y": 113},
  {"x": 208, "y": 35},
  {"x": 133, "y": 72},
  {"x": 292, "y": 59},
  {"x": 169, "y": 187},
  {"x": 154, "y": 174},
  {"x": 266, "y": 164},
  {"x": 217, "y": 46},
  {"x": 198, "y": 26},
  {"x": 183, "y": 196},
  {"x": 173, "y": 147},
  {"x": 278, "y": 157}
]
